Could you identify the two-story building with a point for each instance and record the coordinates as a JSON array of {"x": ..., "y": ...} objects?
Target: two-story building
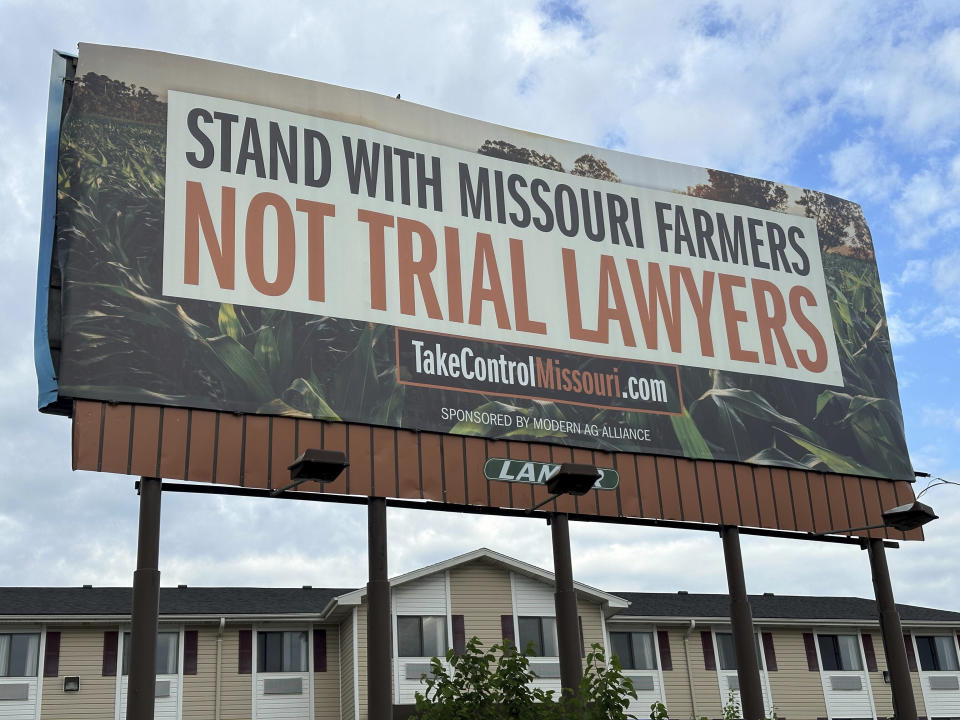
[{"x": 280, "y": 653}]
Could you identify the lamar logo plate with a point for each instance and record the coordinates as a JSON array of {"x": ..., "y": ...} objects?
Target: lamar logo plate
[{"x": 536, "y": 473}]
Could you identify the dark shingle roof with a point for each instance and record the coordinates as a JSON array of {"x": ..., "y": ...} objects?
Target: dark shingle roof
[
  {"x": 781, "y": 607},
  {"x": 65, "y": 602},
  {"x": 173, "y": 601}
]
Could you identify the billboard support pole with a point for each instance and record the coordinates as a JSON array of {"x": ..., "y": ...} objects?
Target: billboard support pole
[
  {"x": 379, "y": 695},
  {"x": 904, "y": 705},
  {"x": 141, "y": 688},
  {"x": 741, "y": 621},
  {"x": 565, "y": 600}
]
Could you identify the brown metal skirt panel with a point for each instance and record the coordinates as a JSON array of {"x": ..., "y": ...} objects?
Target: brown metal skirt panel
[{"x": 255, "y": 451}]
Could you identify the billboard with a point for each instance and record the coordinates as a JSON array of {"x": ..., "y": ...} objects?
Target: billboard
[{"x": 238, "y": 241}]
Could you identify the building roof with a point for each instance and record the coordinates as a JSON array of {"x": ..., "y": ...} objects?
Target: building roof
[
  {"x": 214, "y": 601},
  {"x": 771, "y": 607},
  {"x": 81, "y": 603},
  {"x": 231, "y": 601}
]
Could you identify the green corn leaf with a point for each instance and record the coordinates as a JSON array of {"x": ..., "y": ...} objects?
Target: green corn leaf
[
  {"x": 228, "y": 322},
  {"x": 689, "y": 436},
  {"x": 266, "y": 351},
  {"x": 244, "y": 366},
  {"x": 303, "y": 395},
  {"x": 834, "y": 460}
]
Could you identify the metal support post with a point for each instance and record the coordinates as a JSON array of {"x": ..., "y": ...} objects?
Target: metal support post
[
  {"x": 141, "y": 687},
  {"x": 565, "y": 599},
  {"x": 379, "y": 685},
  {"x": 904, "y": 705},
  {"x": 741, "y": 621}
]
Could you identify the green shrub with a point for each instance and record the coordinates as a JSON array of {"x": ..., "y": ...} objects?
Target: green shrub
[{"x": 495, "y": 684}]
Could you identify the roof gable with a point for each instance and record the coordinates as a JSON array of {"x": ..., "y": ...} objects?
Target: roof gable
[{"x": 610, "y": 602}]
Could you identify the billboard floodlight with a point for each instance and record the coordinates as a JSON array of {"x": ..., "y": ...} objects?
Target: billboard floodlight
[
  {"x": 903, "y": 518},
  {"x": 570, "y": 479},
  {"x": 315, "y": 465}
]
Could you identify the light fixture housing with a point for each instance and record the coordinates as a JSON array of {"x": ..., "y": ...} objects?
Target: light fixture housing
[
  {"x": 909, "y": 517},
  {"x": 71, "y": 683},
  {"x": 318, "y": 465},
  {"x": 573, "y": 479}
]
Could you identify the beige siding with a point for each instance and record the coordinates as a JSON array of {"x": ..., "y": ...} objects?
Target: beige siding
[
  {"x": 481, "y": 593},
  {"x": 346, "y": 668},
  {"x": 362, "y": 658},
  {"x": 705, "y": 682},
  {"x": 676, "y": 688},
  {"x": 326, "y": 685},
  {"x": 200, "y": 690},
  {"x": 236, "y": 690},
  {"x": 81, "y": 654},
  {"x": 590, "y": 622},
  {"x": 797, "y": 692},
  {"x": 882, "y": 696}
]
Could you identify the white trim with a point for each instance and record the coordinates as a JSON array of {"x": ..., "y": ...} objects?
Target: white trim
[
  {"x": 118, "y": 675},
  {"x": 395, "y": 652},
  {"x": 866, "y": 673},
  {"x": 339, "y": 672},
  {"x": 310, "y": 668},
  {"x": 253, "y": 671},
  {"x": 182, "y": 653},
  {"x": 41, "y": 662},
  {"x": 354, "y": 597},
  {"x": 656, "y": 649},
  {"x": 356, "y": 665},
  {"x": 446, "y": 580},
  {"x": 513, "y": 610},
  {"x": 603, "y": 637}
]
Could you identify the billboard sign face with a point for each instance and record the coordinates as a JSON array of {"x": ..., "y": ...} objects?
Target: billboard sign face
[{"x": 239, "y": 241}]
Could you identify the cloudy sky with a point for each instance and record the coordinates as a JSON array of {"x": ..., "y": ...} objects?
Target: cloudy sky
[{"x": 860, "y": 99}]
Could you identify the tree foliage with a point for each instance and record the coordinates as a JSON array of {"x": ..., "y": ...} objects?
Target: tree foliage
[
  {"x": 728, "y": 187},
  {"x": 498, "y": 684}
]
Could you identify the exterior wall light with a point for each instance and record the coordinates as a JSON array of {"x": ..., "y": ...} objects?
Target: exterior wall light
[{"x": 71, "y": 683}]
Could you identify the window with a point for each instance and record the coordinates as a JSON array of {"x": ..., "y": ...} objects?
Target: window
[
  {"x": 542, "y": 632},
  {"x": 839, "y": 652},
  {"x": 635, "y": 650},
  {"x": 282, "y": 651},
  {"x": 422, "y": 635},
  {"x": 18, "y": 654},
  {"x": 937, "y": 652},
  {"x": 167, "y": 653},
  {"x": 727, "y": 659}
]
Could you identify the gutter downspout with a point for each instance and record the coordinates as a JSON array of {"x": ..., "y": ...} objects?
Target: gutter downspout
[
  {"x": 223, "y": 622},
  {"x": 686, "y": 656}
]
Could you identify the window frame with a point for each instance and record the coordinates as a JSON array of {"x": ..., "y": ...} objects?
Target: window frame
[
  {"x": 633, "y": 660},
  {"x": 932, "y": 636},
  {"x": 125, "y": 651},
  {"x": 539, "y": 641},
  {"x": 719, "y": 656},
  {"x": 23, "y": 633},
  {"x": 837, "y": 655},
  {"x": 262, "y": 656},
  {"x": 421, "y": 637}
]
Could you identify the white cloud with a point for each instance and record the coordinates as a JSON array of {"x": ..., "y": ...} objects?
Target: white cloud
[
  {"x": 929, "y": 205},
  {"x": 901, "y": 332},
  {"x": 915, "y": 270},
  {"x": 861, "y": 171},
  {"x": 946, "y": 273}
]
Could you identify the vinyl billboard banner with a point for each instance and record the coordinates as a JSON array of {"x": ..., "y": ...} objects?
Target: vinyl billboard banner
[{"x": 234, "y": 240}]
